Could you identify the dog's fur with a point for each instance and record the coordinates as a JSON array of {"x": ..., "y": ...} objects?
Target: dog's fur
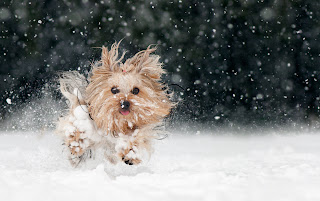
[{"x": 98, "y": 115}]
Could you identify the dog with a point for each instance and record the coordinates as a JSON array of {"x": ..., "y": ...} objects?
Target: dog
[{"x": 118, "y": 108}]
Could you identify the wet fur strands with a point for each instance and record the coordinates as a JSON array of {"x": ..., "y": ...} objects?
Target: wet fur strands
[{"x": 118, "y": 107}]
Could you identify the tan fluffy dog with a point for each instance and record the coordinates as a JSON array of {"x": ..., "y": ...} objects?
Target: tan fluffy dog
[{"x": 118, "y": 109}]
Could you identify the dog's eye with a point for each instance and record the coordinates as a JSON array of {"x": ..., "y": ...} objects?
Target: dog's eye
[
  {"x": 135, "y": 91},
  {"x": 114, "y": 90}
]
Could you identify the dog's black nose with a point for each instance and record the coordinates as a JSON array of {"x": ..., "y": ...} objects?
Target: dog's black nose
[{"x": 125, "y": 105}]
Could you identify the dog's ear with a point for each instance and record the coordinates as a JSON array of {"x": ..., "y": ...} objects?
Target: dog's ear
[
  {"x": 146, "y": 63},
  {"x": 109, "y": 58}
]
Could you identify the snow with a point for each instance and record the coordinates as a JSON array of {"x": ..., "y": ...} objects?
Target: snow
[
  {"x": 9, "y": 101},
  {"x": 199, "y": 167},
  {"x": 81, "y": 112}
]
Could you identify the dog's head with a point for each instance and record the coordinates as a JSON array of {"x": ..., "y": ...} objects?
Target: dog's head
[{"x": 123, "y": 96}]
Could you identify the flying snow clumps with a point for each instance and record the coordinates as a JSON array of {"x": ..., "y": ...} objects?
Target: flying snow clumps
[
  {"x": 9, "y": 101},
  {"x": 80, "y": 117},
  {"x": 82, "y": 120},
  {"x": 81, "y": 112}
]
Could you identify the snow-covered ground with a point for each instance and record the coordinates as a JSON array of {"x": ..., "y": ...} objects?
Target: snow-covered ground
[{"x": 183, "y": 167}]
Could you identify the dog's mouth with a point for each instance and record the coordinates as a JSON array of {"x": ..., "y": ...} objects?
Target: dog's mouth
[{"x": 124, "y": 112}]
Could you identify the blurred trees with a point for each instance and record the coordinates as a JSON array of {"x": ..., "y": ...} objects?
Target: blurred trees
[{"x": 240, "y": 61}]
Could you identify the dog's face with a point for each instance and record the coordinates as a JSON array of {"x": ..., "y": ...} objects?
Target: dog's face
[{"x": 129, "y": 95}]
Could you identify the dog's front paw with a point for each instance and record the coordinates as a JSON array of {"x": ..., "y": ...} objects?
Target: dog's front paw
[
  {"x": 76, "y": 159},
  {"x": 130, "y": 157},
  {"x": 77, "y": 143},
  {"x": 128, "y": 154}
]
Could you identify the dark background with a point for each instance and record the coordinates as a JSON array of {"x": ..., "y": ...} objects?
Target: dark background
[{"x": 241, "y": 63}]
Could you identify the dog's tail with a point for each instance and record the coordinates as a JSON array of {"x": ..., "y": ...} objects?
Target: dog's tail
[{"x": 73, "y": 86}]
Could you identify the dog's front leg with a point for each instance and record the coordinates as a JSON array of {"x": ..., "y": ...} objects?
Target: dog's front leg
[
  {"x": 128, "y": 151},
  {"x": 131, "y": 149},
  {"x": 79, "y": 130},
  {"x": 78, "y": 145}
]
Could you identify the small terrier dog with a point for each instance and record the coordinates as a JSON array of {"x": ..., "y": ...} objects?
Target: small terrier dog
[{"x": 119, "y": 108}]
